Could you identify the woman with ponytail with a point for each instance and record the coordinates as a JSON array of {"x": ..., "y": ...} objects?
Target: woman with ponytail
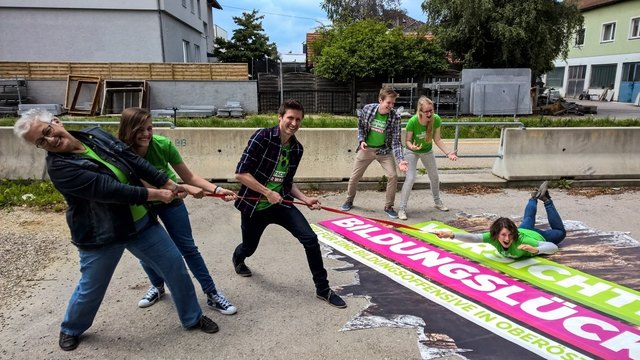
[{"x": 422, "y": 131}]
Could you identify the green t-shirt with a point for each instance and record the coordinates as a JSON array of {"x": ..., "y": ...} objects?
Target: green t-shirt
[
  {"x": 161, "y": 153},
  {"x": 277, "y": 179},
  {"x": 137, "y": 211},
  {"x": 375, "y": 137},
  {"x": 420, "y": 131},
  {"x": 525, "y": 236}
]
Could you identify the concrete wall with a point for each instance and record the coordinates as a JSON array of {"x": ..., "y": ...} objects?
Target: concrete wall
[
  {"x": 531, "y": 154},
  {"x": 212, "y": 153},
  {"x": 166, "y": 94},
  {"x": 175, "y": 93},
  {"x": 574, "y": 153}
]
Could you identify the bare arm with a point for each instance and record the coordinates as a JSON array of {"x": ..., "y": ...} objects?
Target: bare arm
[
  {"x": 312, "y": 202},
  {"x": 249, "y": 181},
  {"x": 198, "y": 184},
  {"x": 437, "y": 139}
]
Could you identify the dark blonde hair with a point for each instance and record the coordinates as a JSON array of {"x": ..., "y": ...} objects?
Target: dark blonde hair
[
  {"x": 423, "y": 100},
  {"x": 387, "y": 91},
  {"x": 131, "y": 120}
]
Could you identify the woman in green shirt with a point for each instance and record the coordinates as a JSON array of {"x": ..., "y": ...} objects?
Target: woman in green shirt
[
  {"x": 525, "y": 240},
  {"x": 136, "y": 129},
  {"x": 423, "y": 130}
]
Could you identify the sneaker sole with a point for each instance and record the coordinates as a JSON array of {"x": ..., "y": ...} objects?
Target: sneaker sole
[
  {"x": 244, "y": 274},
  {"x": 142, "y": 306},
  {"x": 327, "y": 301},
  {"x": 223, "y": 312}
]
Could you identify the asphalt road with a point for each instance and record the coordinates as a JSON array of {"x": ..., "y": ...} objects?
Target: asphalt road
[{"x": 279, "y": 316}]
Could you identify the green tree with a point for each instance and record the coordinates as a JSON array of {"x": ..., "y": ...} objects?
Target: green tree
[
  {"x": 248, "y": 41},
  {"x": 505, "y": 33},
  {"x": 349, "y": 11},
  {"x": 367, "y": 49}
]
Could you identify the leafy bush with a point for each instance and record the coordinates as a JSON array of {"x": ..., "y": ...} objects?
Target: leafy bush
[{"x": 30, "y": 193}]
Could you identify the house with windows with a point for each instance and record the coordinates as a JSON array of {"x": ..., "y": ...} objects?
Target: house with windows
[
  {"x": 107, "y": 31},
  {"x": 604, "y": 54}
]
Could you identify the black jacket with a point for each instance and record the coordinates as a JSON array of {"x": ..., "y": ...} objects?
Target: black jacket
[{"x": 98, "y": 203}]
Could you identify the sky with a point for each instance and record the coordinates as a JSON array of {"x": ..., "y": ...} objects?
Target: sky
[{"x": 286, "y": 22}]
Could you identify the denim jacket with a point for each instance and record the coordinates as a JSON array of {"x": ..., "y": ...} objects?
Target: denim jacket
[
  {"x": 259, "y": 159},
  {"x": 98, "y": 203},
  {"x": 391, "y": 132}
]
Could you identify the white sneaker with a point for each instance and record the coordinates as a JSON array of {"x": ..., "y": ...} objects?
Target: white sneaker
[
  {"x": 440, "y": 206},
  {"x": 402, "y": 215},
  {"x": 153, "y": 295}
]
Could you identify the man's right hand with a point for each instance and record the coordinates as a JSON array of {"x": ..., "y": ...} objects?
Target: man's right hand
[
  {"x": 363, "y": 145},
  {"x": 274, "y": 197}
]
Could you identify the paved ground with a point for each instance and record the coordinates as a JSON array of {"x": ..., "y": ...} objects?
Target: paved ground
[{"x": 279, "y": 317}]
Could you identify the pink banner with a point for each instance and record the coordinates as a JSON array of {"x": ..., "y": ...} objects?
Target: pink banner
[{"x": 578, "y": 326}]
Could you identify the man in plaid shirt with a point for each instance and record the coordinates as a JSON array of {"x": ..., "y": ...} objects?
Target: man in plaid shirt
[
  {"x": 378, "y": 136},
  {"x": 266, "y": 170}
]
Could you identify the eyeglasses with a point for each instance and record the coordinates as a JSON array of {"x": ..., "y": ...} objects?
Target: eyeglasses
[{"x": 46, "y": 132}]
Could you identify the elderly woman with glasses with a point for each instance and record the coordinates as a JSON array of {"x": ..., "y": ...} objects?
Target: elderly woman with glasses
[
  {"x": 422, "y": 131},
  {"x": 101, "y": 180}
]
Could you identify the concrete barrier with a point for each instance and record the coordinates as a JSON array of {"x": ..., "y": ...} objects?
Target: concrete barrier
[
  {"x": 212, "y": 153},
  {"x": 572, "y": 153}
]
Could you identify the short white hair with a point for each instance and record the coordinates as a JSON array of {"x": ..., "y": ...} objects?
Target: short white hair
[{"x": 22, "y": 126}]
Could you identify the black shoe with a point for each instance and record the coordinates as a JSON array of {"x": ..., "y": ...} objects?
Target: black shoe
[
  {"x": 68, "y": 342},
  {"x": 206, "y": 325},
  {"x": 332, "y": 298},
  {"x": 240, "y": 267}
]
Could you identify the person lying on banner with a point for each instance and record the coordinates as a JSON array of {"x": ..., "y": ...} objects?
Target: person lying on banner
[{"x": 523, "y": 241}]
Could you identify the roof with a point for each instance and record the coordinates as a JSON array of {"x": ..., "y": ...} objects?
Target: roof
[
  {"x": 215, "y": 4},
  {"x": 592, "y": 4}
]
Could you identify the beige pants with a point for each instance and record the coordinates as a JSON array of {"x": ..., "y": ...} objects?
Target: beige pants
[{"x": 360, "y": 165}]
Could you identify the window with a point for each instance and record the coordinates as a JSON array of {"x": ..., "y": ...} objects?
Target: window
[
  {"x": 196, "y": 53},
  {"x": 608, "y": 32},
  {"x": 555, "y": 78},
  {"x": 193, "y": 7},
  {"x": 579, "y": 38},
  {"x": 634, "y": 32},
  {"x": 184, "y": 4},
  {"x": 186, "y": 51},
  {"x": 199, "y": 11},
  {"x": 603, "y": 76}
]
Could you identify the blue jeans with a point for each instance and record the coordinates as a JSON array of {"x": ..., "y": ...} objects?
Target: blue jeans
[
  {"x": 152, "y": 245},
  {"x": 176, "y": 220},
  {"x": 290, "y": 218},
  {"x": 557, "y": 232}
]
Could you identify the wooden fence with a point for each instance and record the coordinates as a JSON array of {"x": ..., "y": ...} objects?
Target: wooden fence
[{"x": 128, "y": 71}]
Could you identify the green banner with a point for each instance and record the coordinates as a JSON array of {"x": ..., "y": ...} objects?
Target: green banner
[{"x": 603, "y": 295}]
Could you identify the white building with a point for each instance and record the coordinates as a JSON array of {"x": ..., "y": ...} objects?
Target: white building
[
  {"x": 604, "y": 54},
  {"x": 109, "y": 31}
]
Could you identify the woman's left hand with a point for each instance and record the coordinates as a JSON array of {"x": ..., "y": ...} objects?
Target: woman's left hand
[
  {"x": 528, "y": 248},
  {"x": 453, "y": 156}
]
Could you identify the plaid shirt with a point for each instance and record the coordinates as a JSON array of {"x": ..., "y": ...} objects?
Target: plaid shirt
[
  {"x": 259, "y": 159},
  {"x": 391, "y": 131}
]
